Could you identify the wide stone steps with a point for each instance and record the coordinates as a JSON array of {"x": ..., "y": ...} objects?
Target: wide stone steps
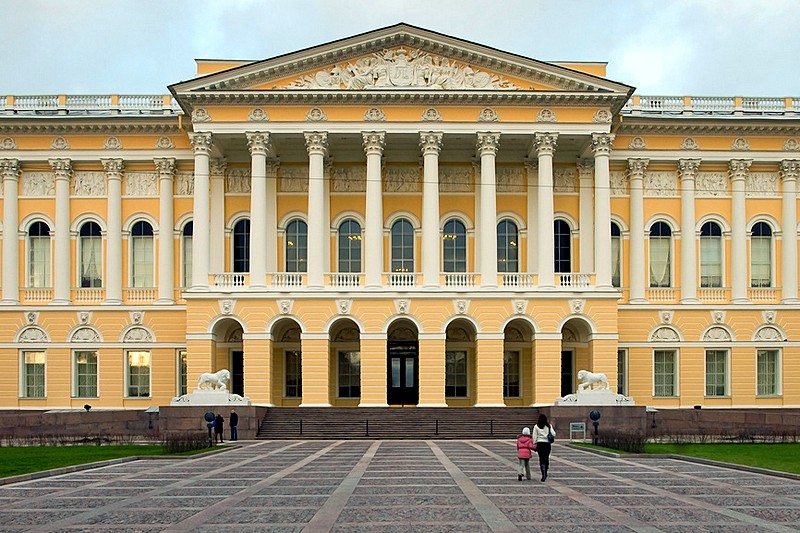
[{"x": 395, "y": 423}]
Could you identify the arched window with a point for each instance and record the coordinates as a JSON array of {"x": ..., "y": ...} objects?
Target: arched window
[
  {"x": 507, "y": 247},
  {"x": 454, "y": 246},
  {"x": 349, "y": 246},
  {"x": 186, "y": 244},
  {"x": 761, "y": 255},
  {"x": 142, "y": 255},
  {"x": 91, "y": 254},
  {"x": 241, "y": 246},
  {"x": 39, "y": 255},
  {"x": 296, "y": 246},
  {"x": 616, "y": 255},
  {"x": 402, "y": 246},
  {"x": 562, "y": 247},
  {"x": 710, "y": 255},
  {"x": 660, "y": 255}
]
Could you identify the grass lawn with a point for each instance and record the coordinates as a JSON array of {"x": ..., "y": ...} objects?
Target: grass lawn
[
  {"x": 780, "y": 457},
  {"x": 15, "y": 460}
]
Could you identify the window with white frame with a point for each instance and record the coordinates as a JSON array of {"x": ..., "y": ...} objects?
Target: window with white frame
[
  {"x": 349, "y": 246},
  {"x": 562, "y": 243},
  {"x": 182, "y": 373},
  {"x": 349, "y": 364},
  {"x": 710, "y": 255},
  {"x": 39, "y": 255},
  {"x": 665, "y": 375},
  {"x": 186, "y": 245},
  {"x": 454, "y": 246},
  {"x": 507, "y": 246},
  {"x": 616, "y": 255},
  {"x": 142, "y": 255},
  {"x": 33, "y": 374},
  {"x": 716, "y": 372},
  {"x": 768, "y": 372},
  {"x": 511, "y": 374},
  {"x": 622, "y": 371},
  {"x": 660, "y": 255},
  {"x": 85, "y": 372},
  {"x": 241, "y": 245},
  {"x": 137, "y": 368},
  {"x": 402, "y": 246},
  {"x": 455, "y": 374},
  {"x": 296, "y": 246},
  {"x": 293, "y": 372},
  {"x": 91, "y": 254},
  {"x": 761, "y": 255}
]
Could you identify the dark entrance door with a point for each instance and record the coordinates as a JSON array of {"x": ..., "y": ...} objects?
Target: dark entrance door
[
  {"x": 566, "y": 373},
  {"x": 402, "y": 386},
  {"x": 237, "y": 372}
]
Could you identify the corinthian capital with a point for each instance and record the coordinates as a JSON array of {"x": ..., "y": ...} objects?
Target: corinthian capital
[
  {"x": 217, "y": 166},
  {"x": 637, "y": 167},
  {"x": 374, "y": 142},
  {"x": 316, "y": 142},
  {"x": 601, "y": 143},
  {"x": 430, "y": 142},
  {"x": 113, "y": 167},
  {"x": 790, "y": 169},
  {"x": 739, "y": 168},
  {"x": 545, "y": 143},
  {"x": 488, "y": 142},
  {"x": 62, "y": 167},
  {"x": 201, "y": 142},
  {"x": 165, "y": 165},
  {"x": 9, "y": 169},
  {"x": 687, "y": 168},
  {"x": 258, "y": 142}
]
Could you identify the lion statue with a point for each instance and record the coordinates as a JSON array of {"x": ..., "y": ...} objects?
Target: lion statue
[
  {"x": 214, "y": 380},
  {"x": 589, "y": 379}
]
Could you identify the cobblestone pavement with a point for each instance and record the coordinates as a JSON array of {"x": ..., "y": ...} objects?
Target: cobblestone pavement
[{"x": 401, "y": 486}]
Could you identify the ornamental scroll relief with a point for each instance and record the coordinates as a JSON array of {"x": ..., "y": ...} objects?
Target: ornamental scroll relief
[{"x": 401, "y": 68}]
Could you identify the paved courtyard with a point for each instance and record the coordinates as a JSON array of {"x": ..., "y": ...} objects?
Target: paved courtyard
[{"x": 400, "y": 486}]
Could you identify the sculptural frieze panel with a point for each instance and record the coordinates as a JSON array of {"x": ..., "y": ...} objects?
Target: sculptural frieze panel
[
  {"x": 619, "y": 183},
  {"x": 184, "y": 183},
  {"x": 762, "y": 184},
  {"x": 238, "y": 181},
  {"x": 564, "y": 180},
  {"x": 455, "y": 179},
  {"x": 401, "y": 68},
  {"x": 349, "y": 179},
  {"x": 38, "y": 184},
  {"x": 293, "y": 179},
  {"x": 710, "y": 184},
  {"x": 660, "y": 183},
  {"x": 141, "y": 184},
  {"x": 509, "y": 180},
  {"x": 401, "y": 179},
  {"x": 88, "y": 183}
]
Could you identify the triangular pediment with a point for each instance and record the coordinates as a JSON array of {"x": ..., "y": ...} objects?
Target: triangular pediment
[{"x": 396, "y": 58}]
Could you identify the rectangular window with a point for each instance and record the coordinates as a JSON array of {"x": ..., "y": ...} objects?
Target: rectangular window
[
  {"x": 138, "y": 370},
  {"x": 664, "y": 373},
  {"x": 85, "y": 372},
  {"x": 511, "y": 388},
  {"x": 142, "y": 249},
  {"x": 660, "y": 267},
  {"x": 186, "y": 275},
  {"x": 39, "y": 262},
  {"x": 710, "y": 262},
  {"x": 760, "y": 262},
  {"x": 91, "y": 254},
  {"x": 182, "y": 372},
  {"x": 767, "y": 373},
  {"x": 294, "y": 374},
  {"x": 33, "y": 375},
  {"x": 455, "y": 374},
  {"x": 616, "y": 262},
  {"x": 349, "y": 374},
  {"x": 716, "y": 372},
  {"x": 622, "y": 372}
]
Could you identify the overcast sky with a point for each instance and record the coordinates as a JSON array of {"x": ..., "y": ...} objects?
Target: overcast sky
[{"x": 662, "y": 47}]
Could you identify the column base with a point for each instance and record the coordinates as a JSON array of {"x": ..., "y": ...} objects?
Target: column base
[
  {"x": 791, "y": 301},
  {"x": 60, "y": 301},
  {"x": 690, "y": 301},
  {"x": 432, "y": 405},
  {"x": 315, "y": 405},
  {"x": 112, "y": 301},
  {"x": 9, "y": 302},
  {"x": 373, "y": 405},
  {"x": 638, "y": 301},
  {"x": 164, "y": 301},
  {"x": 740, "y": 301},
  {"x": 490, "y": 405}
]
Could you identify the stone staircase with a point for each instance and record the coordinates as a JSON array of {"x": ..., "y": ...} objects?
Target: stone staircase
[{"x": 395, "y": 422}]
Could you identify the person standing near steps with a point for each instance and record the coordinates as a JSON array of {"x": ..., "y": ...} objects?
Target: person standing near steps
[
  {"x": 233, "y": 422},
  {"x": 524, "y": 453},
  {"x": 542, "y": 444}
]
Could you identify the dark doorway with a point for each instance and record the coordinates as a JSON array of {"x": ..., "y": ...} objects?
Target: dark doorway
[
  {"x": 402, "y": 387},
  {"x": 567, "y": 380},
  {"x": 237, "y": 372}
]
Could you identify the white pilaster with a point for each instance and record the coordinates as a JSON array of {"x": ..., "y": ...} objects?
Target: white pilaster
[
  {"x": 739, "y": 169},
  {"x": 272, "y": 215},
  {"x": 374, "y": 142},
  {"x": 216, "y": 219},
  {"x": 601, "y": 144},
  {"x": 9, "y": 168},
  {"x": 431, "y": 144},
  {"x": 545, "y": 145},
  {"x": 201, "y": 142},
  {"x": 790, "y": 170},
  {"x": 258, "y": 143},
  {"x": 113, "y": 277},
  {"x": 586, "y": 221},
  {"x": 638, "y": 266},
  {"x": 487, "y": 150},
  {"x": 166, "y": 241},
  {"x": 317, "y": 146},
  {"x": 532, "y": 177},
  {"x": 687, "y": 169},
  {"x": 62, "y": 261}
]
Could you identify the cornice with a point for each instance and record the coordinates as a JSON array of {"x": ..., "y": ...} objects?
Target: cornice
[
  {"x": 693, "y": 126},
  {"x": 62, "y": 125}
]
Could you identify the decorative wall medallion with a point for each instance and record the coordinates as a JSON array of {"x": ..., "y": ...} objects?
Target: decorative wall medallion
[
  {"x": 141, "y": 184},
  {"x": 509, "y": 180},
  {"x": 637, "y": 143},
  {"x": 546, "y": 115},
  {"x": 349, "y": 179},
  {"x": 564, "y": 180},
  {"x": 164, "y": 143},
  {"x": 85, "y": 334},
  {"x": 137, "y": 317},
  {"x": 689, "y": 144},
  {"x": 740, "y": 144},
  {"x": 137, "y": 334},
  {"x": 374, "y": 114},
  {"x": 32, "y": 317},
  {"x": 488, "y": 115},
  {"x": 431, "y": 115},
  {"x": 257, "y": 115},
  {"x": 238, "y": 181},
  {"x": 184, "y": 184},
  {"x": 768, "y": 333},
  {"x": 762, "y": 184},
  {"x": 88, "y": 183},
  {"x": 717, "y": 334},
  {"x": 38, "y": 184},
  {"x": 401, "y": 179},
  {"x": 10, "y": 144},
  {"x": 455, "y": 179},
  {"x": 619, "y": 183},
  {"x": 84, "y": 317},
  {"x": 603, "y": 116},
  {"x": 718, "y": 316},
  {"x": 711, "y": 184},
  {"x": 666, "y": 317},
  {"x": 660, "y": 183},
  {"x": 32, "y": 334},
  {"x": 665, "y": 334},
  {"x": 576, "y": 306},
  {"x": 791, "y": 144},
  {"x": 461, "y": 306},
  {"x": 316, "y": 114},
  {"x": 285, "y": 306},
  {"x": 112, "y": 143},
  {"x": 343, "y": 306},
  {"x": 769, "y": 316},
  {"x": 519, "y": 306},
  {"x": 59, "y": 143},
  {"x": 226, "y": 306},
  {"x": 401, "y": 306},
  {"x": 200, "y": 114}
]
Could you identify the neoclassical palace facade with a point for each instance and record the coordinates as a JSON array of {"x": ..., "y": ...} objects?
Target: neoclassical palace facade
[{"x": 399, "y": 218}]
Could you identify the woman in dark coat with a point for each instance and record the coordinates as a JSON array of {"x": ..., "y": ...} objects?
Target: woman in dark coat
[{"x": 219, "y": 422}]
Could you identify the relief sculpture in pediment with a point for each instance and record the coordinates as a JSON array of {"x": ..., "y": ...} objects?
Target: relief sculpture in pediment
[{"x": 399, "y": 68}]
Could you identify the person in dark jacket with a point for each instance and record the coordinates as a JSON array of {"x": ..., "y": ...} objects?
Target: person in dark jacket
[
  {"x": 233, "y": 421},
  {"x": 219, "y": 422}
]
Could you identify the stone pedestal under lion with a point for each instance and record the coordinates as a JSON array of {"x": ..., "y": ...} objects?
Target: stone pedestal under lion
[
  {"x": 212, "y": 389},
  {"x": 594, "y": 390}
]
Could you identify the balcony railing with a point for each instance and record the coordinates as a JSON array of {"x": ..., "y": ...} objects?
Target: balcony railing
[
  {"x": 88, "y": 295},
  {"x": 139, "y": 295},
  {"x": 710, "y": 105},
  {"x": 517, "y": 280},
  {"x": 763, "y": 294},
  {"x": 573, "y": 280},
  {"x": 662, "y": 294},
  {"x": 89, "y": 104},
  {"x": 402, "y": 279},
  {"x": 713, "y": 294},
  {"x": 231, "y": 280},
  {"x": 37, "y": 295},
  {"x": 346, "y": 280},
  {"x": 459, "y": 279}
]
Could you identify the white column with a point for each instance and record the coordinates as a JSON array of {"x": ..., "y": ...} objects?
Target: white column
[
  {"x": 113, "y": 168},
  {"x": 687, "y": 169},
  {"x": 586, "y": 221},
  {"x": 638, "y": 266},
  {"x": 601, "y": 144},
  {"x": 62, "y": 261},
  {"x": 317, "y": 145},
  {"x": 532, "y": 174},
  {"x": 258, "y": 143},
  {"x": 739, "y": 169},
  {"x": 166, "y": 240},
  {"x": 545, "y": 146},
  {"x": 216, "y": 219},
  {"x": 10, "y": 172},
  {"x": 431, "y": 144},
  {"x": 201, "y": 142},
  {"x": 487, "y": 150},
  {"x": 374, "y": 142},
  {"x": 272, "y": 216},
  {"x": 790, "y": 169}
]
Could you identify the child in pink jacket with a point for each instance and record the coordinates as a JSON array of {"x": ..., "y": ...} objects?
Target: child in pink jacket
[{"x": 524, "y": 448}]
